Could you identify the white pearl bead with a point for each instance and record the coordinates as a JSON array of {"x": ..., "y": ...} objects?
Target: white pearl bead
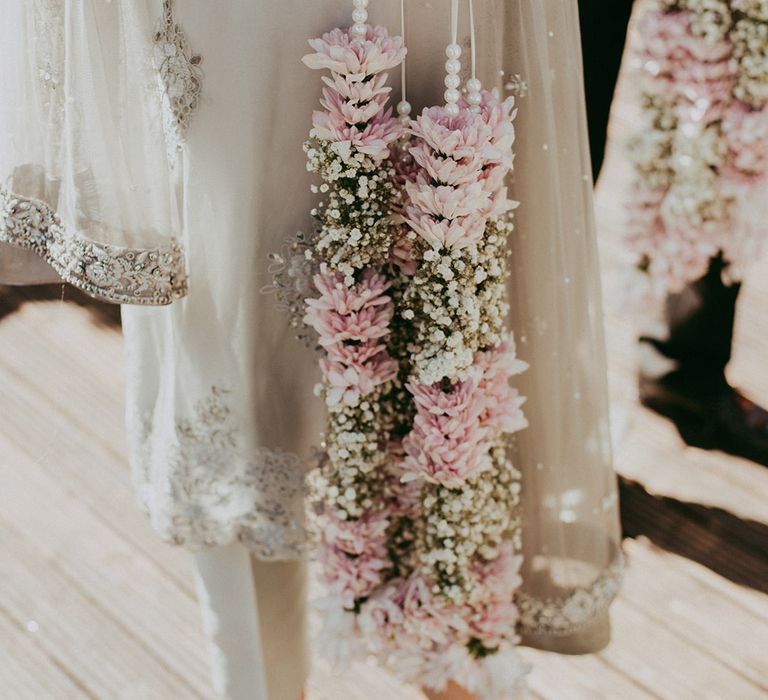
[
  {"x": 453, "y": 50},
  {"x": 452, "y": 66},
  {"x": 360, "y": 15},
  {"x": 474, "y": 85},
  {"x": 475, "y": 109},
  {"x": 452, "y": 110},
  {"x": 360, "y": 3},
  {"x": 452, "y": 81},
  {"x": 405, "y": 120},
  {"x": 359, "y": 28},
  {"x": 451, "y": 95},
  {"x": 474, "y": 98},
  {"x": 403, "y": 107}
]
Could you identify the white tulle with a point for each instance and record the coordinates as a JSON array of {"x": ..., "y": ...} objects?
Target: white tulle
[{"x": 84, "y": 176}]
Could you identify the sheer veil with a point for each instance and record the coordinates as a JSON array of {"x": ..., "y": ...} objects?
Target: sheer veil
[
  {"x": 571, "y": 527},
  {"x": 85, "y": 182},
  {"x": 571, "y": 536}
]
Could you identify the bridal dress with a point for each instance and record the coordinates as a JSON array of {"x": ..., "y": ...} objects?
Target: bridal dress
[{"x": 152, "y": 156}]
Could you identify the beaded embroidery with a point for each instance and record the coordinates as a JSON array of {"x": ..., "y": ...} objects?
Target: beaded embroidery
[
  {"x": 179, "y": 75},
  {"x": 153, "y": 276},
  {"x": 215, "y": 489},
  {"x": 565, "y": 615}
]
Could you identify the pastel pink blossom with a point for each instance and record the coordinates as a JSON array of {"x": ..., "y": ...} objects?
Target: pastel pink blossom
[
  {"x": 444, "y": 169},
  {"x": 358, "y": 92},
  {"x": 401, "y": 254},
  {"x": 447, "y": 444},
  {"x": 373, "y": 140},
  {"x": 339, "y": 52},
  {"x": 495, "y": 614},
  {"x": 459, "y": 137},
  {"x": 454, "y": 234},
  {"x": 370, "y": 290},
  {"x": 366, "y": 534},
  {"x": 349, "y": 382},
  {"x": 351, "y": 577},
  {"x": 344, "y": 112},
  {"x": 746, "y": 134},
  {"x": 681, "y": 64},
  {"x": 368, "y": 324},
  {"x": 447, "y": 202},
  {"x": 500, "y": 116}
]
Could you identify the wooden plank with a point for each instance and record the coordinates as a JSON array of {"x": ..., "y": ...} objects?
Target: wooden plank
[
  {"x": 670, "y": 668},
  {"x": 105, "y": 569},
  {"x": 27, "y": 672},
  {"x": 588, "y": 677},
  {"x": 680, "y": 603},
  {"x": 62, "y": 446},
  {"x": 77, "y": 633}
]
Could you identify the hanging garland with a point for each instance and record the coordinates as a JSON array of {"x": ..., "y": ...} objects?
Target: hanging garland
[
  {"x": 419, "y": 524},
  {"x": 701, "y": 160}
]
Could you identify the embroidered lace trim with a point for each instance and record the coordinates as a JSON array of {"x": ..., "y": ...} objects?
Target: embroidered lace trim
[
  {"x": 565, "y": 615},
  {"x": 211, "y": 490},
  {"x": 152, "y": 276},
  {"x": 179, "y": 75}
]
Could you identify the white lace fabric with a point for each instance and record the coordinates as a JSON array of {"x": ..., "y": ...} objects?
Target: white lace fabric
[
  {"x": 85, "y": 180},
  {"x": 209, "y": 489}
]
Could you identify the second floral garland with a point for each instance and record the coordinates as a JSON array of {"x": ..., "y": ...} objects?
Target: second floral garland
[{"x": 407, "y": 302}]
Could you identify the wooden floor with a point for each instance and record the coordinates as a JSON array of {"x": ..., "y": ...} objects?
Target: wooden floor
[{"x": 92, "y": 605}]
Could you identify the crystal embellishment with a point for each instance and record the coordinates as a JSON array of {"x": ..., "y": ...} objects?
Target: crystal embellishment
[
  {"x": 179, "y": 76},
  {"x": 152, "y": 276}
]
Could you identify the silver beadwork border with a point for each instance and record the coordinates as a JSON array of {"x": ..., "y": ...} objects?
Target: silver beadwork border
[{"x": 119, "y": 275}]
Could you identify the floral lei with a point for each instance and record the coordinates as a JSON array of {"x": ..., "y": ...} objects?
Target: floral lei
[
  {"x": 419, "y": 524},
  {"x": 701, "y": 161}
]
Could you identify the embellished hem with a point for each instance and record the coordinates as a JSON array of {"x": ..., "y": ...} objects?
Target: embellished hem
[
  {"x": 148, "y": 276},
  {"x": 565, "y": 615},
  {"x": 201, "y": 487}
]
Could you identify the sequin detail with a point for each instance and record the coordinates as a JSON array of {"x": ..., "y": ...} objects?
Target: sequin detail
[
  {"x": 566, "y": 615},
  {"x": 179, "y": 76},
  {"x": 152, "y": 276},
  {"x": 212, "y": 489}
]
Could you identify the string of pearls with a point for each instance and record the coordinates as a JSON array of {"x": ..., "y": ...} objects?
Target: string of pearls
[
  {"x": 360, "y": 19},
  {"x": 474, "y": 86},
  {"x": 452, "y": 79}
]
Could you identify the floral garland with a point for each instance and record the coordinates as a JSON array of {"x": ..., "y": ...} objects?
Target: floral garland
[
  {"x": 407, "y": 306},
  {"x": 702, "y": 159}
]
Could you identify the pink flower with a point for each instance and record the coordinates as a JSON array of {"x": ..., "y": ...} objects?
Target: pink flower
[
  {"x": 447, "y": 202},
  {"x": 454, "y": 234},
  {"x": 401, "y": 254},
  {"x": 339, "y": 52},
  {"x": 336, "y": 296},
  {"x": 500, "y": 116},
  {"x": 349, "y": 382},
  {"x": 464, "y": 136},
  {"x": 446, "y": 170},
  {"x": 351, "y": 577},
  {"x": 364, "y": 535},
  {"x": 447, "y": 444},
  {"x": 373, "y": 140},
  {"x": 344, "y": 113},
  {"x": 746, "y": 134},
  {"x": 354, "y": 91},
  {"x": 494, "y": 614},
  {"x": 681, "y": 64},
  {"x": 363, "y": 326}
]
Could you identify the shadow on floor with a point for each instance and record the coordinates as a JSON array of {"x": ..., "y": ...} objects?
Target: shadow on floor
[
  {"x": 13, "y": 298},
  {"x": 734, "y": 548}
]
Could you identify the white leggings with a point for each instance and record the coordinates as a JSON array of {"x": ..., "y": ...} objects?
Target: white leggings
[{"x": 254, "y": 614}]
